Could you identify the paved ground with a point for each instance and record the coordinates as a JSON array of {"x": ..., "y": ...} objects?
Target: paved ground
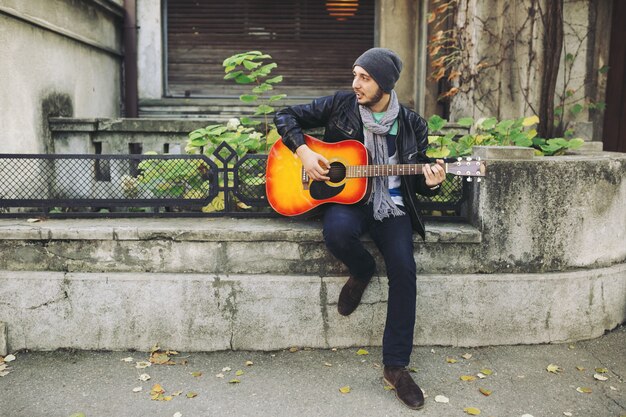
[{"x": 307, "y": 382}]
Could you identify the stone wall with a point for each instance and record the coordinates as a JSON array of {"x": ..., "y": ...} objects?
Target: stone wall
[
  {"x": 503, "y": 60},
  {"x": 60, "y": 58},
  {"x": 541, "y": 259}
]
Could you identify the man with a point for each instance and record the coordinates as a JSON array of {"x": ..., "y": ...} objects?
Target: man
[{"x": 392, "y": 134}]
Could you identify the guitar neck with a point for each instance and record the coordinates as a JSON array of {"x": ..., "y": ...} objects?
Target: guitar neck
[{"x": 360, "y": 171}]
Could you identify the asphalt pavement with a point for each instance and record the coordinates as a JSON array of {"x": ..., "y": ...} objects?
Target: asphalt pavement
[{"x": 582, "y": 379}]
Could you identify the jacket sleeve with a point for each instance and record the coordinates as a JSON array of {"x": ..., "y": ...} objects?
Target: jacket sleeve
[
  {"x": 291, "y": 120},
  {"x": 420, "y": 127}
]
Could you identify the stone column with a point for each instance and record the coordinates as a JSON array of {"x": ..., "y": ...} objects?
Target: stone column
[
  {"x": 398, "y": 30},
  {"x": 149, "y": 50}
]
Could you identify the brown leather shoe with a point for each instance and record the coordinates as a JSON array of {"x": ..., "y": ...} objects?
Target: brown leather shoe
[
  {"x": 406, "y": 389},
  {"x": 350, "y": 296}
]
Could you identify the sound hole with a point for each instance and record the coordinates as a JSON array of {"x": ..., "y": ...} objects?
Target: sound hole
[{"x": 337, "y": 172}]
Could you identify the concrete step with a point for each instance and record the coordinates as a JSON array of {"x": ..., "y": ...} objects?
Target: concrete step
[
  {"x": 264, "y": 284},
  {"x": 205, "y": 312}
]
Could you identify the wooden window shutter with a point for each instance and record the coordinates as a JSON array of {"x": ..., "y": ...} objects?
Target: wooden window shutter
[{"x": 314, "y": 43}]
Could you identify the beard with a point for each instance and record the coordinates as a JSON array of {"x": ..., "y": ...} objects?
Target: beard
[{"x": 374, "y": 100}]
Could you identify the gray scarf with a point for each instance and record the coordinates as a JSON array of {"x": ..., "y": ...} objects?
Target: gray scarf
[{"x": 376, "y": 144}]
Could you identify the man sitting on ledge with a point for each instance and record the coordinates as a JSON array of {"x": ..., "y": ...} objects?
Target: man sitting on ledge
[{"x": 393, "y": 134}]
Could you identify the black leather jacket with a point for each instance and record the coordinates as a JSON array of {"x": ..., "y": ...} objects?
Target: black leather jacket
[{"x": 339, "y": 115}]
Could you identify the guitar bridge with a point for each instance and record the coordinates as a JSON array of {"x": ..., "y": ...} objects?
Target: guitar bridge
[{"x": 305, "y": 180}]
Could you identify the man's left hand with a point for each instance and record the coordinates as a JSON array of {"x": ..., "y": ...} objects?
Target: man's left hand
[{"x": 435, "y": 174}]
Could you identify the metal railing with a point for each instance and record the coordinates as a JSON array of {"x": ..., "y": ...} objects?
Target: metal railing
[{"x": 54, "y": 185}]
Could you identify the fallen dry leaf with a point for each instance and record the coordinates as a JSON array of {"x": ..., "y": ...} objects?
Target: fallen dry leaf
[
  {"x": 142, "y": 365},
  {"x": 196, "y": 374},
  {"x": 192, "y": 394},
  {"x": 584, "y": 390},
  {"x": 468, "y": 378},
  {"x": 472, "y": 411},
  {"x": 362, "y": 352},
  {"x": 226, "y": 369},
  {"x": 555, "y": 369},
  {"x": 137, "y": 389},
  {"x": 567, "y": 413},
  {"x": 451, "y": 360},
  {"x": 600, "y": 377},
  {"x": 602, "y": 370},
  {"x": 580, "y": 368},
  {"x": 486, "y": 371},
  {"x": 485, "y": 391},
  {"x": 128, "y": 359},
  {"x": 466, "y": 355},
  {"x": 234, "y": 381},
  {"x": 442, "y": 399},
  {"x": 157, "y": 389},
  {"x": 249, "y": 363},
  {"x": 178, "y": 414},
  {"x": 481, "y": 375},
  {"x": 293, "y": 349},
  {"x": 219, "y": 376},
  {"x": 144, "y": 377},
  {"x": 344, "y": 390},
  {"x": 9, "y": 358},
  {"x": 328, "y": 364},
  {"x": 239, "y": 373}
]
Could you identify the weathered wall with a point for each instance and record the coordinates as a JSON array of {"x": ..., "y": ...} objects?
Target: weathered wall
[
  {"x": 59, "y": 57},
  {"x": 553, "y": 213},
  {"x": 397, "y": 30},
  {"x": 150, "y": 49},
  {"x": 502, "y": 50}
]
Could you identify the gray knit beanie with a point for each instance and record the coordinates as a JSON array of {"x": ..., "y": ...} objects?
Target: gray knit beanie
[{"x": 383, "y": 64}]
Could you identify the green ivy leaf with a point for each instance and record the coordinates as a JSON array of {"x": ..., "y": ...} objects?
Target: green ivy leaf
[
  {"x": 576, "y": 109},
  {"x": 232, "y": 75},
  {"x": 249, "y": 65},
  {"x": 488, "y": 124},
  {"x": 466, "y": 121},
  {"x": 246, "y": 121},
  {"x": 436, "y": 123},
  {"x": 248, "y": 98},
  {"x": 243, "y": 79},
  {"x": 277, "y": 97},
  {"x": 262, "y": 88},
  {"x": 264, "y": 109},
  {"x": 274, "y": 80},
  {"x": 575, "y": 143}
]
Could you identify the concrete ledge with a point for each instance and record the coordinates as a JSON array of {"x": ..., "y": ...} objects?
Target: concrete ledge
[
  {"x": 202, "y": 245},
  {"x": 204, "y": 312}
]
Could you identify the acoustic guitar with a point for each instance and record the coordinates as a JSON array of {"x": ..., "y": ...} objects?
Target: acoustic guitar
[{"x": 291, "y": 193}]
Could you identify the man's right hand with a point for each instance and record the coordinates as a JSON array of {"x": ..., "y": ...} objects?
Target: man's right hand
[{"x": 315, "y": 165}]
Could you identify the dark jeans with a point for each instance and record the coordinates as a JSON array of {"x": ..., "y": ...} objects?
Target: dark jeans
[{"x": 343, "y": 227}]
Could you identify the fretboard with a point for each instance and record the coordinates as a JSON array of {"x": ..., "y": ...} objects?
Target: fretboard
[{"x": 359, "y": 171}]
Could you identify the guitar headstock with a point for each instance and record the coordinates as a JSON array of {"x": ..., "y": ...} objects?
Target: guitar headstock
[{"x": 467, "y": 167}]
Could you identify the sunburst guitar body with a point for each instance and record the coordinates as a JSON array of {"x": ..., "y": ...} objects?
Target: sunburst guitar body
[{"x": 291, "y": 193}]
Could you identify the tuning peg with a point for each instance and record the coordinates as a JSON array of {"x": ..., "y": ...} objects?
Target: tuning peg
[
  {"x": 468, "y": 159},
  {"x": 469, "y": 179},
  {"x": 478, "y": 179}
]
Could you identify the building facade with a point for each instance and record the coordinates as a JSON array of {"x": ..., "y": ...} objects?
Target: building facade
[{"x": 80, "y": 58}]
